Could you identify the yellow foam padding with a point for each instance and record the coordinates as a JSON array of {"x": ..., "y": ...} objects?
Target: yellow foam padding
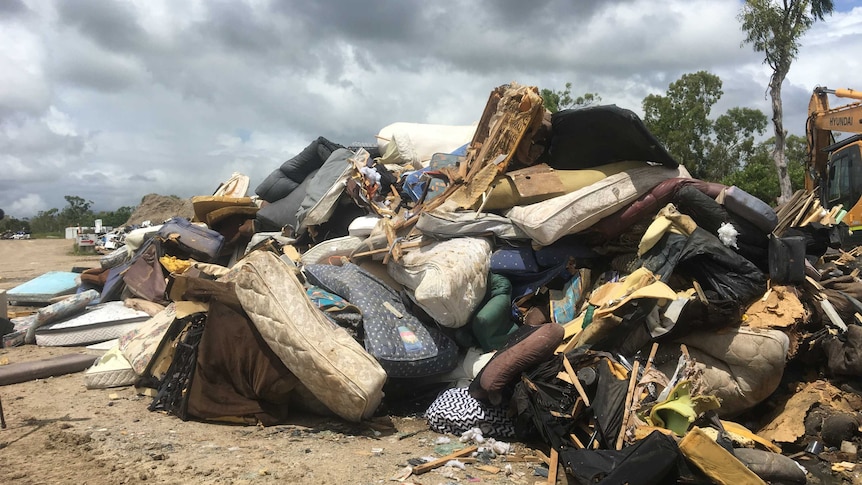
[
  {"x": 204, "y": 204},
  {"x": 668, "y": 219},
  {"x": 610, "y": 297},
  {"x": 741, "y": 430},
  {"x": 217, "y": 215},
  {"x": 713, "y": 460},
  {"x": 640, "y": 284},
  {"x": 504, "y": 194},
  {"x": 175, "y": 265},
  {"x": 653, "y": 234}
]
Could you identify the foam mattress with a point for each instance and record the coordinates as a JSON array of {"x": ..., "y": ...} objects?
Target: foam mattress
[{"x": 44, "y": 288}]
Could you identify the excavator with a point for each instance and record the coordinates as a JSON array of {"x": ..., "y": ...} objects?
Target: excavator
[{"x": 836, "y": 167}]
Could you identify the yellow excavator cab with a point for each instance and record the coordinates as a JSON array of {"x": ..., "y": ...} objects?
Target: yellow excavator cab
[{"x": 836, "y": 168}]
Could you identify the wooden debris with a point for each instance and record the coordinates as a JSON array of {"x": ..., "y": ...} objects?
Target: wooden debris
[
  {"x": 522, "y": 458},
  {"x": 575, "y": 381},
  {"x": 442, "y": 461},
  {"x": 577, "y": 442},
  {"x": 488, "y": 469},
  {"x": 627, "y": 405},
  {"x": 552, "y": 467},
  {"x": 545, "y": 458}
]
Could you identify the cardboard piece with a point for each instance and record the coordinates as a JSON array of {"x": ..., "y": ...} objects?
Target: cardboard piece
[
  {"x": 789, "y": 424},
  {"x": 779, "y": 308}
]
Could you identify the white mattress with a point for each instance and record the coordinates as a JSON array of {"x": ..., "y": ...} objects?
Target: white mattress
[
  {"x": 111, "y": 370},
  {"x": 98, "y": 323},
  {"x": 339, "y": 246},
  {"x": 547, "y": 221}
]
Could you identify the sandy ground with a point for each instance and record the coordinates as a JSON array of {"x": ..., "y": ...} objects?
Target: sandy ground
[{"x": 60, "y": 432}]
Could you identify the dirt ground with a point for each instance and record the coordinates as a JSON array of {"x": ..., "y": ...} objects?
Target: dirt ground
[{"x": 58, "y": 431}]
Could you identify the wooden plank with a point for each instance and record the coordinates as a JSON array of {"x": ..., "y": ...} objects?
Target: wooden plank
[
  {"x": 522, "y": 458},
  {"x": 575, "y": 381},
  {"x": 536, "y": 180},
  {"x": 442, "y": 461},
  {"x": 576, "y": 441},
  {"x": 802, "y": 210},
  {"x": 552, "y": 467},
  {"x": 545, "y": 458},
  {"x": 628, "y": 402},
  {"x": 651, "y": 357}
]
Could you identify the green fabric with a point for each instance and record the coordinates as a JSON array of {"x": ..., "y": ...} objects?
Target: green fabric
[
  {"x": 588, "y": 316},
  {"x": 492, "y": 324},
  {"x": 680, "y": 409}
]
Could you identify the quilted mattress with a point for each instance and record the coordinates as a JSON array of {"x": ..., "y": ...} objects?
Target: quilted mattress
[
  {"x": 111, "y": 370},
  {"x": 548, "y": 221},
  {"x": 741, "y": 366},
  {"x": 449, "y": 278},
  {"x": 141, "y": 343},
  {"x": 323, "y": 356},
  {"x": 443, "y": 224},
  {"x": 98, "y": 323},
  {"x": 58, "y": 311},
  {"x": 339, "y": 246}
]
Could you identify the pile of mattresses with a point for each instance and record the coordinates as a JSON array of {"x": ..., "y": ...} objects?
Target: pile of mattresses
[{"x": 552, "y": 277}]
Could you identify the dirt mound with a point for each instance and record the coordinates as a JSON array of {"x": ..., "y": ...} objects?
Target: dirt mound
[{"x": 158, "y": 208}]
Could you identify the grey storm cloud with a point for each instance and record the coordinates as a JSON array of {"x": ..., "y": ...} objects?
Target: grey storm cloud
[
  {"x": 113, "y": 25},
  {"x": 111, "y": 100},
  {"x": 13, "y": 8}
]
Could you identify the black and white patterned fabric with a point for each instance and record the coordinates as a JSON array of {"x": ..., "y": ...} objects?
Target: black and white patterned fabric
[
  {"x": 456, "y": 411},
  {"x": 403, "y": 345}
]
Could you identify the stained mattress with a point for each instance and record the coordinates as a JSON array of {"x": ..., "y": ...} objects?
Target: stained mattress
[
  {"x": 548, "y": 221},
  {"x": 325, "y": 358},
  {"x": 741, "y": 366}
]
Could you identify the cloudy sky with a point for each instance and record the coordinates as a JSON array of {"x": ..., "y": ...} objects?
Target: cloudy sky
[{"x": 110, "y": 101}]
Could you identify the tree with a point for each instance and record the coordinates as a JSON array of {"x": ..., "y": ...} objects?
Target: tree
[
  {"x": 78, "y": 212},
  {"x": 774, "y": 28},
  {"x": 758, "y": 176},
  {"x": 115, "y": 218},
  {"x": 559, "y": 100},
  {"x": 733, "y": 144},
  {"x": 45, "y": 221},
  {"x": 680, "y": 119},
  {"x": 709, "y": 149},
  {"x": 12, "y": 224}
]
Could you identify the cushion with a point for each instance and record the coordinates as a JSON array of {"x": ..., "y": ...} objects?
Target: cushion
[
  {"x": 456, "y": 411},
  {"x": 525, "y": 348},
  {"x": 285, "y": 179}
]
